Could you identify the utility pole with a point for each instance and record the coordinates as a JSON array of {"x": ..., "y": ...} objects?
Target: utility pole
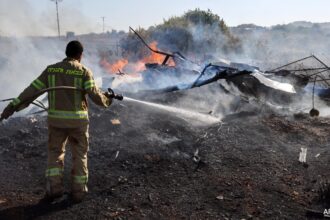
[
  {"x": 103, "y": 23},
  {"x": 58, "y": 20}
]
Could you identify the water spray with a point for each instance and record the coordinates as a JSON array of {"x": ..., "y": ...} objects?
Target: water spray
[
  {"x": 193, "y": 116},
  {"x": 196, "y": 116}
]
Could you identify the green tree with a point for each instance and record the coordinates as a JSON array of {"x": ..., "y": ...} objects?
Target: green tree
[{"x": 196, "y": 31}]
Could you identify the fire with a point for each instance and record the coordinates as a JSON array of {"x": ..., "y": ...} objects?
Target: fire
[
  {"x": 153, "y": 57},
  {"x": 124, "y": 66},
  {"x": 115, "y": 67}
]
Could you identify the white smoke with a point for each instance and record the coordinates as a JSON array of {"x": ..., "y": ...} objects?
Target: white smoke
[
  {"x": 24, "y": 54},
  {"x": 18, "y": 18}
]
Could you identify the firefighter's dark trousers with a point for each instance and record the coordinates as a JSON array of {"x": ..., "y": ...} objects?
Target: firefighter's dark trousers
[{"x": 78, "y": 139}]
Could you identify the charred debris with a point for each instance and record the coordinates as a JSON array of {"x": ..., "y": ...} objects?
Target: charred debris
[{"x": 300, "y": 80}]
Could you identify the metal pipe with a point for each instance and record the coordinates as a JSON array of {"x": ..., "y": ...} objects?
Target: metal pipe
[
  {"x": 320, "y": 61},
  {"x": 300, "y": 70},
  {"x": 156, "y": 51},
  {"x": 305, "y": 58}
]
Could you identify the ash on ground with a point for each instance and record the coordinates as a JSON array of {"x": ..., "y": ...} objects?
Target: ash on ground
[{"x": 155, "y": 165}]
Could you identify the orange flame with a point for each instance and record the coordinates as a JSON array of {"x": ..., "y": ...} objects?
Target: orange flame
[
  {"x": 115, "y": 67},
  {"x": 124, "y": 65},
  {"x": 153, "y": 57}
]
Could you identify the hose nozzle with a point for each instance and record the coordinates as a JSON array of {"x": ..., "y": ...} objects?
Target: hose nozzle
[{"x": 113, "y": 95}]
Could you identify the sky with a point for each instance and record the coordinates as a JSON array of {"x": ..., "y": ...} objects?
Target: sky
[{"x": 84, "y": 16}]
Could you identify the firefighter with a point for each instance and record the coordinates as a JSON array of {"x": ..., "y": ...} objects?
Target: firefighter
[{"x": 67, "y": 119}]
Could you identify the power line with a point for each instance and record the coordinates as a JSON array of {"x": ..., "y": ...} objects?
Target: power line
[
  {"x": 58, "y": 20},
  {"x": 103, "y": 23}
]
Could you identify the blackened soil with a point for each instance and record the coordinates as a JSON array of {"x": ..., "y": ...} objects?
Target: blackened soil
[{"x": 154, "y": 165}]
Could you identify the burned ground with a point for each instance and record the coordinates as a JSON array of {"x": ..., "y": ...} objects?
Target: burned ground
[{"x": 144, "y": 168}]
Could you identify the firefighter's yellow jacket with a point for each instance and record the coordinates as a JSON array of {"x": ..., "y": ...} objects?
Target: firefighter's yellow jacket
[{"x": 67, "y": 108}]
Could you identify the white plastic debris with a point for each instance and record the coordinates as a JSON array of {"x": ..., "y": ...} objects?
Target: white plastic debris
[
  {"x": 317, "y": 155},
  {"x": 220, "y": 197},
  {"x": 117, "y": 153},
  {"x": 2, "y": 201},
  {"x": 286, "y": 87},
  {"x": 115, "y": 121},
  {"x": 302, "y": 155},
  {"x": 33, "y": 120},
  {"x": 196, "y": 157}
]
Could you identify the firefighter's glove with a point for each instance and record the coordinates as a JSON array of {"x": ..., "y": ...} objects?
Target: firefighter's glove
[
  {"x": 7, "y": 112},
  {"x": 108, "y": 95}
]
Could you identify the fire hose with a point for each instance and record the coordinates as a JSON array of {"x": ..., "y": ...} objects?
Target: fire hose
[{"x": 110, "y": 94}]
